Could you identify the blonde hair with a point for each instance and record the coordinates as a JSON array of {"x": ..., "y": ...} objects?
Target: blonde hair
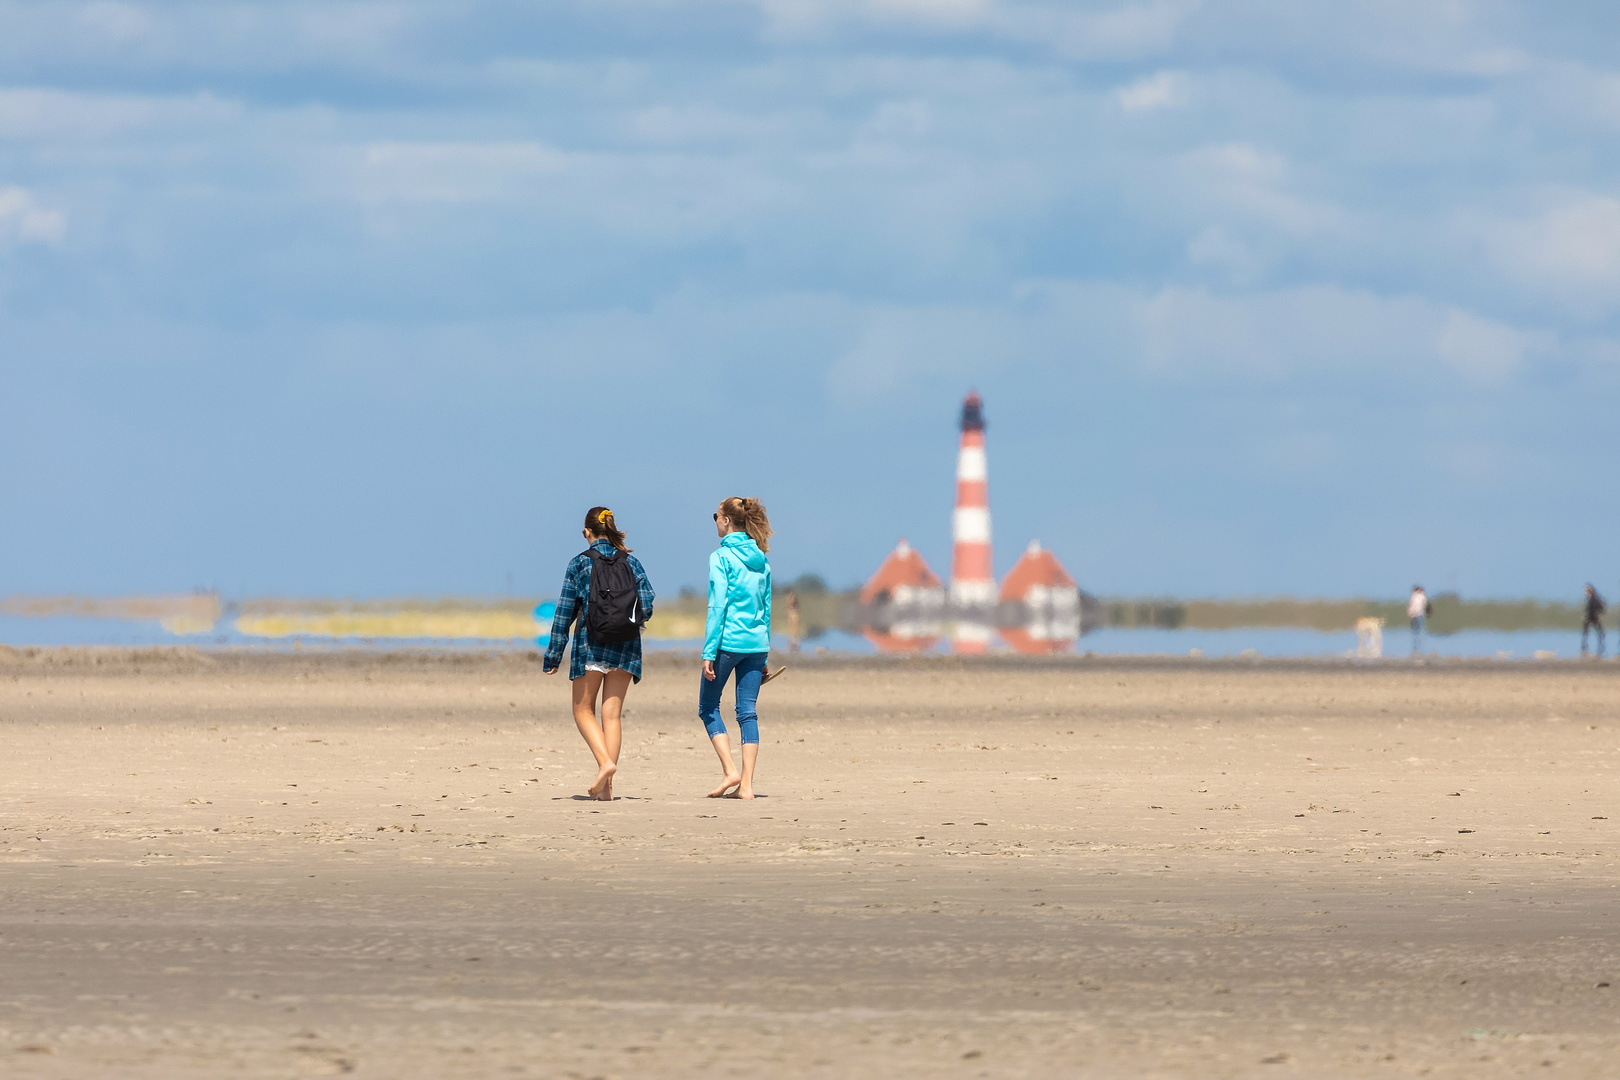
[
  {"x": 599, "y": 522},
  {"x": 749, "y": 515}
]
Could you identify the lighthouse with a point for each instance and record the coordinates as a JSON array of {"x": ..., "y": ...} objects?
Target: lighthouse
[
  {"x": 973, "y": 582},
  {"x": 1038, "y": 609}
]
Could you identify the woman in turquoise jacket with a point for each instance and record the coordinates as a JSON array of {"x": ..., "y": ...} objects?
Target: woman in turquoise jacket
[{"x": 738, "y": 635}]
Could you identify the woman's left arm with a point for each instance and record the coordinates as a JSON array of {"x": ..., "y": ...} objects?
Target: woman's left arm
[
  {"x": 568, "y": 606},
  {"x": 769, "y": 588},
  {"x": 644, "y": 589},
  {"x": 714, "y": 623}
]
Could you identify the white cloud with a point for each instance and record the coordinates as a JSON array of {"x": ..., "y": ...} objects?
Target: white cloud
[
  {"x": 945, "y": 12},
  {"x": 676, "y": 125},
  {"x": 1480, "y": 461},
  {"x": 650, "y": 195},
  {"x": 894, "y": 346},
  {"x": 1253, "y": 182},
  {"x": 118, "y": 22},
  {"x": 1493, "y": 62},
  {"x": 1122, "y": 31},
  {"x": 1182, "y": 335},
  {"x": 1129, "y": 30},
  {"x": 1486, "y": 39},
  {"x": 1320, "y": 330},
  {"x": 1484, "y": 348},
  {"x": 1295, "y": 453},
  {"x": 1192, "y": 334},
  {"x": 58, "y": 116},
  {"x": 222, "y": 35},
  {"x": 788, "y": 19},
  {"x": 24, "y": 221},
  {"x": 1579, "y": 91},
  {"x": 1570, "y": 252},
  {"x": 1217, "y": 247},
  {"x": 454, "y": 172},
  {"x": 1160, "y": 91},
  {"x": 347, "y": 28},
  {"x": 1241, "y": 163}
]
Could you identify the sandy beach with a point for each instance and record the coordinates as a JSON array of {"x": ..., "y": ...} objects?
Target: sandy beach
[{"x": 382, "y": 865}]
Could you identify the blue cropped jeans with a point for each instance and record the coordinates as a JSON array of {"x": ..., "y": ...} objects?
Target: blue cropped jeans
[{"x": 750, "y": 669}]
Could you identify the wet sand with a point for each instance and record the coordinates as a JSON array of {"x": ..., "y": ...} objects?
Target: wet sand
[{"x": 284, "y": 866}]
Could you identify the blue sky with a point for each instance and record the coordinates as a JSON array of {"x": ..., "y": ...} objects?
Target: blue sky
[{"x": 377, "y": 298}]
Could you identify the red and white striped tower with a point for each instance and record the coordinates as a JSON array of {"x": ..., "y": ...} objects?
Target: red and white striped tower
[{"x": 973, "y": 582}]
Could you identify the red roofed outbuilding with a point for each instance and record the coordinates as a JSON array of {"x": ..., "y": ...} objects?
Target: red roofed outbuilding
[
  {"x": 902, "y": 572},
  {"x": 1050, "y": 601},
  {"x": 902, "y": 602}
]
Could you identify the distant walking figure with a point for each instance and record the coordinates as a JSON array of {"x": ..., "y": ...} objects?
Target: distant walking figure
[
  {"x": 737, "y": 636},
  {"x": 1417, "y": 610},
  {"x": 1595, "y": 607},
  {"x": 790, "y": 600},
  {"x": 608, "y": 591}
]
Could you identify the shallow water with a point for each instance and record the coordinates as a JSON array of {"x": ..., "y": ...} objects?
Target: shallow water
[
  {"x": 1276, "y": 642},
  {"x": 1258, "y": 641}
]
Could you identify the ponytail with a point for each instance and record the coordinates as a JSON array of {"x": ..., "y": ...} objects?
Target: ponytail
[
  {"x": 749, "y": 515},
  {"x": 599, "y": 522}
]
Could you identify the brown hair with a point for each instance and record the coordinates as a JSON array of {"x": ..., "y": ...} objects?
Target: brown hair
[
  {"x": 599, "y": 522},
  {"x": 749, "y": 515}
]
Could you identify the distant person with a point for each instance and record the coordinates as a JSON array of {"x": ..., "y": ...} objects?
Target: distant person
[
  {"x": 608, "y": 591},
  {"x": 737, "y": 636},
  {"x": 1417, "y": 610},
  {"x": 790, "y": 600},
  {"x": 1595, "y": 607}
]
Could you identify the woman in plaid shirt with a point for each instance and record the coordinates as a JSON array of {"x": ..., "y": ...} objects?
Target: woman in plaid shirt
[{"x": 605, "y": 667}]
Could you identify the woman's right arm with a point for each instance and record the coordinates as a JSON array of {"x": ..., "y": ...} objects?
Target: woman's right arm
[
  {"x": 719, "y": 597},
  {"x": 567, "y": 608}
]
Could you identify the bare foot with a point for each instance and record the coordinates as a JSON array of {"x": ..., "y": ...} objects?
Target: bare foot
[
  {"x": 603, "y": 779},
  {"x": 731, "y": 781},
  {"x": 743, "y": 793},
  {"x": 607, "y": 792}
]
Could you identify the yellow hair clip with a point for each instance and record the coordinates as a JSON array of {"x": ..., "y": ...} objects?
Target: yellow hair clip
[{"x": 601, "y": 519}]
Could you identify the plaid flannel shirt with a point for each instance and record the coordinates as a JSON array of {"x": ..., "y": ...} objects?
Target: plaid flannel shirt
[{"x": 571, "y": 604}]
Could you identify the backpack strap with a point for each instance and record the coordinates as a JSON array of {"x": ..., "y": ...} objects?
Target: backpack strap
[{"x": 590, "y": 578}]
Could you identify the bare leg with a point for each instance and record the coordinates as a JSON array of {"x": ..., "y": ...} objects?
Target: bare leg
[
  {"x": 614, "y": 686},
  {"x": 722, "y": 747},
  {"x": 745, "y": 788},
  {"x": 585, "y": 688}
]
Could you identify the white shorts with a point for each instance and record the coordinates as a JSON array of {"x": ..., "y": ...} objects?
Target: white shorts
[{"x": 603, "y": 668}]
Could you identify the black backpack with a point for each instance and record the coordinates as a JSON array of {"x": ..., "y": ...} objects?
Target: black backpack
[{"x": 613, "y": 607}]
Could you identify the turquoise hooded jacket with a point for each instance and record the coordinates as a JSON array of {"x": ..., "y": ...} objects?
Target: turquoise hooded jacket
[{"x": 739, "y": 598}]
